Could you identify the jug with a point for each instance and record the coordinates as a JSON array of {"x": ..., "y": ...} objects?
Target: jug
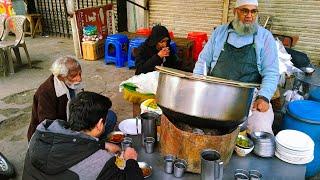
[
  {"x": 211, "y": 165},
  {"x": 148, "y": 125}
]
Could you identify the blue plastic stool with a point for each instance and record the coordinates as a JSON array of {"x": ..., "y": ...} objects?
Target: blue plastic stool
[
  {"x": 134, "y": 43},
  {"x": 304, "y": 116},
  {"x": 173, "y": 46},
  {"x": 119, "y": 56}
]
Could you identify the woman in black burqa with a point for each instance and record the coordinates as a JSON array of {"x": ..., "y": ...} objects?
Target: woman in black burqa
[{"x": 156, "y": 51}]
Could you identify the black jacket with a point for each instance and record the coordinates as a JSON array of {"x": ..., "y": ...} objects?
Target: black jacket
[
  {"x": 147, "y": 59},
  {"x": 54, "y": 152},
  {"x": 147, "y": 54}
]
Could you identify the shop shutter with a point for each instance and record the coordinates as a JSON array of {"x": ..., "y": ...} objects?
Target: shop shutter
[{"x": 183, "y": 16}]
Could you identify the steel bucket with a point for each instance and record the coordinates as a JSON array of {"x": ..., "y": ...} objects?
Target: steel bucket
[{"x": 202, "y": 100}]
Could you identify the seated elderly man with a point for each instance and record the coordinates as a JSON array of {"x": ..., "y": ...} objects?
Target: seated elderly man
[
  {"x": 71, "y": 150},
  {"x": 244, "y": 51},
  {"x": 51, "y": 99}
]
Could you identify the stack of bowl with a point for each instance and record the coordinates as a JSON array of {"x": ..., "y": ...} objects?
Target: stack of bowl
[{"x": 264, "y": 144}]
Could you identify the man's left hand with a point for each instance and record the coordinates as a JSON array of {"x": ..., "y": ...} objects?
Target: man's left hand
[{"x": 260, "y": 105}]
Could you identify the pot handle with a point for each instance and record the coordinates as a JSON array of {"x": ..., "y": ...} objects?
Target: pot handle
[{"x": 219, "y": 169}]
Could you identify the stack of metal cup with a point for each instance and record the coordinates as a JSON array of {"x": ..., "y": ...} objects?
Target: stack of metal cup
[{"x": 264, "y": 144}]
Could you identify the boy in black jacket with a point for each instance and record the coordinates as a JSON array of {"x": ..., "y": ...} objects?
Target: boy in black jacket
[{"x": 71, "y": 150}]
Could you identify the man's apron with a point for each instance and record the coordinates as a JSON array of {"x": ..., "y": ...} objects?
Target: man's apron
[{"x": 240, "y": 64}]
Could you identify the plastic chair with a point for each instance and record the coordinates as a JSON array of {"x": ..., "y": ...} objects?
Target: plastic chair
[
  {"x": 14, "y": 24},
  {"x": 119, "y": 54},
  {"x": 134, "y": 43},
  {"x": 3, "y": 67},
  {"x": 2, "y": 20}
]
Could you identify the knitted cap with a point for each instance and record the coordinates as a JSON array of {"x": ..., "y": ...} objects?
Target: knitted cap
[{"x": 246, "y": 2}]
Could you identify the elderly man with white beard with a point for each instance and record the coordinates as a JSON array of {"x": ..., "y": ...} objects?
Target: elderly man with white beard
[
  {"x": 244, "y": 51},
  {"x": 52, "y": 97}
]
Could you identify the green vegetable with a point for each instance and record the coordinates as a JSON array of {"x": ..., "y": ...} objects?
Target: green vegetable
[{"x": 243, "y": 142}]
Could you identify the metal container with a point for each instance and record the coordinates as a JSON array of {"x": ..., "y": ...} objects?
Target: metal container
[
  {"x": 307, "y": 83},
  {"x": 211, "y": 165},
  {"x": 148, "y": 124},
  {"x": 203, "y": 100},
  {"x": 264, "y": 143}
]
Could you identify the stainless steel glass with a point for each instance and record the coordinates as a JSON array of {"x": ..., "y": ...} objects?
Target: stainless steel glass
[
  {"x": 168, "y": 163},
  {"x": 149, "y": 144}
]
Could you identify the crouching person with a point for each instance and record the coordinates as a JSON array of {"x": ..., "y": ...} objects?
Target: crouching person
[{"x": 71, "y": 150}]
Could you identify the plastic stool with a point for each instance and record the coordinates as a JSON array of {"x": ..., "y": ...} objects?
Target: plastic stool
[
  {"x": 119, "y": 55},
  {"x": 200, "y": 39},
  {"x": 173, "y": 46},
  {"x": 171, "y": 35},
  {"x": 134, "y": 43},
  {"x": 144, "y": 31}
]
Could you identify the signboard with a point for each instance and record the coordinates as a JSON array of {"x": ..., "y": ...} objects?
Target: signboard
[{"x": 100, "y": 16}]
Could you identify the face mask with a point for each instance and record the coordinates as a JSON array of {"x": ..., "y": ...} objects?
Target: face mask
[{"x": 76, "y": 85}]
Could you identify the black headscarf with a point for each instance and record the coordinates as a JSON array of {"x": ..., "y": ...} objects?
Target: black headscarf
[{"x": 157, "y": 34}]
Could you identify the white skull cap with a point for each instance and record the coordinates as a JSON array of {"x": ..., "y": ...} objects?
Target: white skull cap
[{"x": 246, "y": 2}]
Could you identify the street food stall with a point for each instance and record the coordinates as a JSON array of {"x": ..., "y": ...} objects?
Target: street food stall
[{"x": 201, "y": 113}]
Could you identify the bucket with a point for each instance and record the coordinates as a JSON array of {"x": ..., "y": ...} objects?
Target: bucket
[
  {"x": 314, "y": 94},
  {"x": 304, "y": 116}
]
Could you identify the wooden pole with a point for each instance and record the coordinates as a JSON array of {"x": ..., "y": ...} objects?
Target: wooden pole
[
  {"x": 75, "y": 35},
  {"x": 226, "y": 4}
]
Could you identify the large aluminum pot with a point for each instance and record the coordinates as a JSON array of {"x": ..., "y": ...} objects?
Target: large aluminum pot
[{"x": 203, "y": 100}]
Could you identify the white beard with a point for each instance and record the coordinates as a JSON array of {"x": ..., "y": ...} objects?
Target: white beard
[{"x": 244, "y": 29}]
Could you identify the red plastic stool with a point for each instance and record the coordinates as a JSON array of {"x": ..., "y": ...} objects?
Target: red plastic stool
[
  {"x": 200, "y": 39},
  {"x": 144, "y": 31},
  {"x": 171, "y": 35}
]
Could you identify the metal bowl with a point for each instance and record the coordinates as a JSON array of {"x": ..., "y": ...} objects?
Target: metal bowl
[
  {"x": 264, "y": 144},
  {"x": 203, "y": 100},
  {"x": 145, "y": 168}
]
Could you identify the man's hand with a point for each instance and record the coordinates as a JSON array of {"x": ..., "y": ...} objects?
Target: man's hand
[
  {"x": 112, "y": 148},
  {"x": 164, "y": 52},
  {"x": 260, "y": 105},
  {"x": 130, "y": 153}
]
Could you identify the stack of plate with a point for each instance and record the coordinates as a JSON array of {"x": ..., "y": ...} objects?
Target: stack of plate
[
  {"x": 294, "y": 147},
  {"x": 264, "y": 145}
]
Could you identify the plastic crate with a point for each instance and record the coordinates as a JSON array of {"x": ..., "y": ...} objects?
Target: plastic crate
[{"x": 92, "y": 50}]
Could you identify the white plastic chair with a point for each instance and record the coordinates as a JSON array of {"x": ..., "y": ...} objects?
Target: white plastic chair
[{"x": 14, "y": 24}]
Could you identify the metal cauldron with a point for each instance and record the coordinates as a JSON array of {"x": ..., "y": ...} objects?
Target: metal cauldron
[{"x": 202, "y": 100}]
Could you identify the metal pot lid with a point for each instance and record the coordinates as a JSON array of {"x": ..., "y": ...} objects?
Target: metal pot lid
[{"x": 210, "y": 79}]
